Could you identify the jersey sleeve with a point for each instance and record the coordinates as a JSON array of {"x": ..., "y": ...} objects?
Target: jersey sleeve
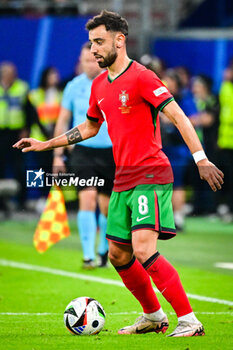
[
  {"x": 153, "y": 90},
  {"x": 67, "y": 98},
  {"x": 94, "y": 113}
]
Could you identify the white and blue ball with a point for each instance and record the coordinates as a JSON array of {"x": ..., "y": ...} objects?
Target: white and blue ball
[{"x": 84, "y": 316}]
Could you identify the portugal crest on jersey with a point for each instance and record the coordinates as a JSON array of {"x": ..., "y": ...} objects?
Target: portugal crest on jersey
[{"x": 123, "y": 97}]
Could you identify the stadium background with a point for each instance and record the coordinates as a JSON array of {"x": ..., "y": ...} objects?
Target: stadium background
[{"x": 197, "y": 34}]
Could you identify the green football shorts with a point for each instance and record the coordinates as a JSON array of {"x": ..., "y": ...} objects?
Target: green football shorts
[{"x": 142, "y": 207}]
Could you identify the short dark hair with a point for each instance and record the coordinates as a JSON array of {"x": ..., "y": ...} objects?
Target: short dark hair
[{"x": 111, "y": 20}]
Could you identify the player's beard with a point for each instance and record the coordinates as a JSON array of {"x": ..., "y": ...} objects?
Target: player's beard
[{"x": 109, "y": 59}]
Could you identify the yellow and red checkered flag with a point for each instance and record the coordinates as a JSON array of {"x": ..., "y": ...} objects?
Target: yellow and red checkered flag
[{"x": 53, "y": 225}]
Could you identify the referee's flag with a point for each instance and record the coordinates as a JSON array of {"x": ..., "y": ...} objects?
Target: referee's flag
[{"x": 53, "y": 224}]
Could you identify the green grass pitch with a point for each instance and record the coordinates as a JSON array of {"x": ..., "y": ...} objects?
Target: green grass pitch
[{"x": 32, "y": 299}]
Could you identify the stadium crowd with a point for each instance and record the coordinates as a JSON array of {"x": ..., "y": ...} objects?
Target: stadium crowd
[{"x": 25, "y": 112}]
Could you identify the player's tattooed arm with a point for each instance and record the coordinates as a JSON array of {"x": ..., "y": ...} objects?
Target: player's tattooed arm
[
  {"x": 81, "y": 132},
  {"x": 73, "y": 136}
]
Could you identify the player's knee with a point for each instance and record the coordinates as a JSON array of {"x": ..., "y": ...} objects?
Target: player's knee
[
  {"x": 117, "y": 258},
  {"x": 141, "y": 254},
  {"x": 114, "y": 257}
]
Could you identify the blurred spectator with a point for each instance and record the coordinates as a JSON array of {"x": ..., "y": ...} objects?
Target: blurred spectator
[
  {"x": 208, "y": 113},
  {"x": 174, "y": 146},
  {"x": 225, "y": 141},
  {"x": 228, "y": 72},
  {"x": 46, "y": 101},
  {"x": 206, "y": 122},
  {"x": 13, "y": 125},
  {"x": 185, "y": 78},
  {"x": 154, "y": 63}
]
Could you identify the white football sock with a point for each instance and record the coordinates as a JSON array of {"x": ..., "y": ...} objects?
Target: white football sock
[
  {"x": 190, "y": 318},
  {"x": 155, "y": 316}
]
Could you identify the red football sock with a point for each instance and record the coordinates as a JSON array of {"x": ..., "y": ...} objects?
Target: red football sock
[
  {"x": 168, "y": 283},
  {"x": 138, "y": 282}
]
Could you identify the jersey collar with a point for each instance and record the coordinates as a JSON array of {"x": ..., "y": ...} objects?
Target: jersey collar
[{"x": 112, "y": 80}]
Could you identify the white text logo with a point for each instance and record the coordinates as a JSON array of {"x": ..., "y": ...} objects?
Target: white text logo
[{"x": 160, "y": 91}]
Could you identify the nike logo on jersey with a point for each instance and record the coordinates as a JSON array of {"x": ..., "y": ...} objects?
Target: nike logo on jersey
[
  {"x": 160, "y": 91},
  {"x": 99, "y": 101},
  {"x": 140, "y": 219}
]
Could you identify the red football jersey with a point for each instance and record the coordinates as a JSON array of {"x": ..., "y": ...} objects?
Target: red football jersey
[{"x": 130, "y": 104}]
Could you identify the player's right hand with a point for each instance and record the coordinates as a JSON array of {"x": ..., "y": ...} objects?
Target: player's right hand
[
  {"x": 58, "y": 164},
  {"x": 29, "y": 144}
]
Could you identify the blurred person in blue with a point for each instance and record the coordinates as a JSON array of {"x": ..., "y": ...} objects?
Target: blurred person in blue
[
  {"x": 93, "y": 157},
  {"x": 13, "y": 125},
  {"x": 185, "y": 78},
  {"x": 174, "y": 146}
]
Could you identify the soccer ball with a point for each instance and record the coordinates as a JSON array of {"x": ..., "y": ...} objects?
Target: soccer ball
[{"x": 84, "y": 316}]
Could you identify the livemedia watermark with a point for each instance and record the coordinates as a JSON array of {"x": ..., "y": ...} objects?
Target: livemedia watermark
[{"x": 41, "y": 179}]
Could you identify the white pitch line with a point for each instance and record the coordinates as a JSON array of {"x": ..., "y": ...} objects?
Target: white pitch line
[
  {"x": 224, "y": 265},
  {"x": 28, "y": 314},
  {"x": 209, "y": 299},
  {"x": 57, "y": 272},
  {"x": 230, "y": 313}
]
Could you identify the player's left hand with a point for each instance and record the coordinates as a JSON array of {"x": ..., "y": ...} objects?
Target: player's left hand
[{"x": 209, "y": 172}]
